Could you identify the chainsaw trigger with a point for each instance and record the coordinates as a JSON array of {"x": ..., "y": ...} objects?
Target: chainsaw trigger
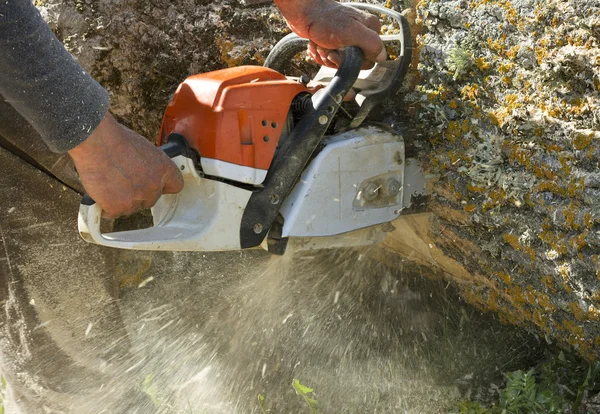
[{"x": 177, "y": 144}]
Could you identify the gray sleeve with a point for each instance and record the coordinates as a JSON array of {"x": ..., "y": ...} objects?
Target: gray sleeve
[{"x": 42, "y": 81}]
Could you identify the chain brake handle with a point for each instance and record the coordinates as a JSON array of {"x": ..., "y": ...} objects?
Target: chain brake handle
[{"x": 388, "y": 75}]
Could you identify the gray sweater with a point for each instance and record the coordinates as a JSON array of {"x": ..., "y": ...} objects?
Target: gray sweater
[{"x": 43, "y": 82}]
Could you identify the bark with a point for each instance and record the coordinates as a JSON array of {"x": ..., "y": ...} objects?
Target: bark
[
  {"x": 504, "y": 113},
  {"x": 509, "y": 99}
]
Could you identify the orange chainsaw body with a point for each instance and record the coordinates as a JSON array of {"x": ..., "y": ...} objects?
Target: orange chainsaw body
[{"x": 234, "y": 115}]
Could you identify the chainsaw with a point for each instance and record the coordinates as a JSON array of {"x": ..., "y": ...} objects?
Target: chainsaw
[{"x": 268, "y": 158}]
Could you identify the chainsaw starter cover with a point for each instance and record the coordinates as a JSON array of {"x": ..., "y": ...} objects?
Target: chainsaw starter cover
[{"x": 234, "y": 118}]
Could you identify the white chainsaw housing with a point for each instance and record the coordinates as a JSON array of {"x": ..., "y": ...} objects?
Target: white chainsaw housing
[
  {"x": 206, "y": 215},
  {"x": 328, "y": 200}
]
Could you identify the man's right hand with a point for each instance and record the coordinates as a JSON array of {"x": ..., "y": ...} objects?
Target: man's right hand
[
  {"x": 122, "y": 171},
  {"x": 331, "y": 26}
]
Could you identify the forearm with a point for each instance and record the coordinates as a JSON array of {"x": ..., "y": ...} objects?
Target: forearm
[{"x": 42, "y": 81}]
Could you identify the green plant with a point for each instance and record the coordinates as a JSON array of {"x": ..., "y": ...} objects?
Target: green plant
[
  {"x": 305, "y": 392},
  {"x": 459, "y": 61},
  {"x": 261, "y": 404},
  {"x": 469, "y": 407},
  {"x": 2, "y": 394},
  {"x": 559, "y": 385},
  {"x": 524, "y": 395},
  {"x": 151, "y": 389},
  {"x": 566, "y": 374}
]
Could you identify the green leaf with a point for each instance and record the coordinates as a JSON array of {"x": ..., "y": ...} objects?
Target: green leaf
[
  {"x": 582, "y": 389},
  {"x": 544, "y": 397},
  {"x": 467, "y": 407},
  {"x": 301, "y": 389},
  {"x": 261, "y": 404},
  {"x": 151, "y": 389},
  {"x": 312, "y": 401}
]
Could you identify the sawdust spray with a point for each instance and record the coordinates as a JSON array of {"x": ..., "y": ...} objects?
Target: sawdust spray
[{"x": 236, "y": 328}]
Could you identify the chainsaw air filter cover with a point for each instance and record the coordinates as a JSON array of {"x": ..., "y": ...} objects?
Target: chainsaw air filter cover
[{"x": 234, "y": 118}]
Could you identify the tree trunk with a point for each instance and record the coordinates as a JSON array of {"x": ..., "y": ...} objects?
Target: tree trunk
[
  {"x": 504, "y": 113},
  {"x": 509, "y": 99}
]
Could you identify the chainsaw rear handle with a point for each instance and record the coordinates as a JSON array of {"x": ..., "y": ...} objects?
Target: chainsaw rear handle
[
  {"x": 90, "y": 212},
  {"x": 176, "y": 145},
  {"x": 295, "y": 152}
]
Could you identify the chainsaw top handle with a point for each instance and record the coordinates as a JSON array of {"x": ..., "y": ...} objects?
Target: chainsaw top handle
[
  {"x": 295, "y": 152},
  {"x": 387, "y": 77},
  {"x": 292, "y": 44}
]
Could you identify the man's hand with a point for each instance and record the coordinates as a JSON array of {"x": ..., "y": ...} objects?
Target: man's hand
[
  {"x": 331, "y": 26},
  {"x": 122, "y": 171}
]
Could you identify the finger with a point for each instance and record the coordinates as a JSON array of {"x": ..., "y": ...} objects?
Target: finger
[
  {"x": 323, "y": 53},
  {"x": 132, "y": 210},
  {"x": 367, "y": 64},
  {"x": 113, "y": 212},
  {"x": 350, "y": 96},
  {"x": 151, "y": 200},
  {"x": 172, "y": 180},
  {"x": 368, "y": 40},
  {"x": 371, "y": 21},
  {"x": 109, "y": 216},
  {"x": 314, "y": 55},
  {"x": 316, "y": 58},
  {"x": 335, "y": 57},
  {"x": 330, "y": 64}
]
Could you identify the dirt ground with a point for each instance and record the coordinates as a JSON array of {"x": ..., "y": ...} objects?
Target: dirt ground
[{"x": 208, "y": 333}]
